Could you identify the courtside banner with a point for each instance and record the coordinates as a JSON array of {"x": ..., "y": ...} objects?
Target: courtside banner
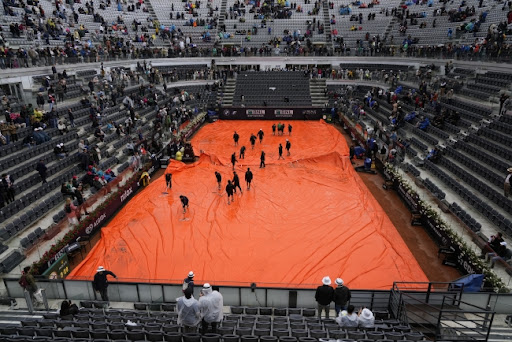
[{"x": 268, "y": 113}]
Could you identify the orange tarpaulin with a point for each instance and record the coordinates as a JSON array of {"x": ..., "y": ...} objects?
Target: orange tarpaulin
[{"x": 305, "y": 217}]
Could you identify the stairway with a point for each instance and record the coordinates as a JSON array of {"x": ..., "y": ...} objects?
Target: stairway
[
  {"x": 227, "y": 93},
  {"x": 150, "y": 9},
  {"x": 392, "y": 23},
  {"x": 317, "y": 89},
  {"x": 220, "y": 21},
  {"x": 327, "y": 25}
]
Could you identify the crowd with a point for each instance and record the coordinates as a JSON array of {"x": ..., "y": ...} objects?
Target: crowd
[{"x": 113, "y": 40}]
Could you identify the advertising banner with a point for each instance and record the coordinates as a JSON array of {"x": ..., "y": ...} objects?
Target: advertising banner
[{"x": 265, "y": 113}]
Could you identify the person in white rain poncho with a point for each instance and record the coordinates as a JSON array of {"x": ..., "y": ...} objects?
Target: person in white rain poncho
[
  {"x": 189, "y": 314},
  {"x": 211, "y": 304},
  {"x": 366, "y": 318}
]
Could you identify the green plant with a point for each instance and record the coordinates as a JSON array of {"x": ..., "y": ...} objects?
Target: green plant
[
  {"x": 79, "y": 229},
  {"x": 465, "y": 250}
]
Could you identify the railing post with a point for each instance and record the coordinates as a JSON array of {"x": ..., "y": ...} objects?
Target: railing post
[
  {"x": 45, "y": 300},
  {"x": 428, "y": 292},
  {"x": 28, "y": 299}
]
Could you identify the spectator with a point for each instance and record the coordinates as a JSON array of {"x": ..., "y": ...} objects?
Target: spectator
[
  {"x": 98, "y": 133},
  {"x": 188, "y": 282},
  {"x": 348, "y": 318},
  {"x": 8, "y": 186},
  {"x": 210, "y": 304},
  {"x": 68, "y": 310},
  {"x": 189, "y": 314},
  {"x": 59, "y": 151},
  {"x": 66, "y": 190},
  {"x": 71, "y": 118},
  {"x": 28, "y": 283},
  {"x": 324, "y": 295},
  {"x": 61, "y": 126},
  {"x": 82, "y": 146},
  {"x": 500, "y": 253},
  {"x": 100, "y": 283},
  {"x": 508, "y": 181},
  {"x": 341, "y": 296},
  {"x": 41, "y": 168},
  {"x": 80, "y": 199},
  {"x": 70, "y": 210},
  {"x": 96, "y": 183},
  {"x": 366, "y": 318}
]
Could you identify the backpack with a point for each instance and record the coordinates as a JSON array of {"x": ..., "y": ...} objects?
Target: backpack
[
  {"x": 68, "y": 209},
  {"x": 23, "y": 282},
  {"x": 184, "y": 286}
]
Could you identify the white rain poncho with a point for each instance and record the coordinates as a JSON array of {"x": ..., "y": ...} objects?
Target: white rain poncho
[
  {"x": 211, "y": 304},
  {"x": 188, "y": 311},
  {"x": 346, "y": 320},
  {"x": 366, "y": 319}
]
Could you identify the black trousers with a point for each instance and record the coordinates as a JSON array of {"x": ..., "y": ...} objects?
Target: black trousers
[{"x": 204, "y": 327}]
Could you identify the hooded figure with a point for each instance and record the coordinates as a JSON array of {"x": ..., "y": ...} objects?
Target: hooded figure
[
  {"x": 189, "y": 314},
  {"x": 348, "y": 318},
  {"x": 211, "y": 304},
  {"x": 366, "y": 319}
]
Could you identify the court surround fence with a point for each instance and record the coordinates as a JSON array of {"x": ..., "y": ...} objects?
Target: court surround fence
[{"x": 275, "y": 295}]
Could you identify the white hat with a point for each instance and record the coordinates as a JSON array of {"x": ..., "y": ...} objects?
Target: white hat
[
  {"x": 206, "y": 286},
  {"x": 326, "y": 280},
  {"x": 100, "y": 269},
  {"x": 367, "y": 314},
  {"x": 191, "y": 274},
  {"x": 509, "y": 169},
  {"x": 339, "y": 281},
  {"x": 503, "y": 243}
]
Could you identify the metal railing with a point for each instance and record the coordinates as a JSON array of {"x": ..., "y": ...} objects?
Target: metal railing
[{"x": 437, "y": 311}]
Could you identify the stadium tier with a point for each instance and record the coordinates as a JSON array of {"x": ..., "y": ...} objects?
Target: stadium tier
[{"x": 268, "y": 145}]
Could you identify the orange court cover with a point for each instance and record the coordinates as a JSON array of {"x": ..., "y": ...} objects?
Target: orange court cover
[{"x": 305, "y": 217}]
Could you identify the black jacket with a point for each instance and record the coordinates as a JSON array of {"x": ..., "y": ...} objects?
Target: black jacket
[
  {"x": 248, "y": 176},
  {"x": 100, "y": 281},
  {"x": 341, "y": 296},
  {"x": 324, "y": 294}
]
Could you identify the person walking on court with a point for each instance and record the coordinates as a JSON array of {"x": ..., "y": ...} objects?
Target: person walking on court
[
  {"x": 508, "y": 181},
  {"x": 242, "y": 152},
  {"x": 219, "y": 179},
  {"x": 274, "y": 129},
  {"x": 248, "y": 178},
  {"x": 253, "y": 140},
  {"x": 168, "y": 180},
  {"x": 236, "y": 182},
  {"x": 288, "y": 146},
  {"x": 324, "y": 295},
  {"x": 290, "y": 129},
  {"x": 100, "y": 282},
  {"x": 235, "y": 138},
  {"x": 229, "y": 190},
  {"x": 233, "y": 159},
  {"x": 260, "y": 135},
  {"x": 41, "y": 168},
  {"x": 184, "y": 203},
  {"x": 280, "y": 152},
  {"x": 262, "y": 159}
]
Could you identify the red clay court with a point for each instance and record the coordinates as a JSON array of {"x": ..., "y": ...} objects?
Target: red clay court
[{"x": 305, "y": 217}]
